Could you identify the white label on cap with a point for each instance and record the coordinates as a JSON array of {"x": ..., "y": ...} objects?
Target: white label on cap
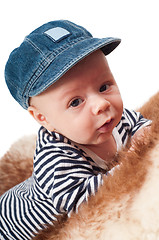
[{"x": 57, "y": 33}]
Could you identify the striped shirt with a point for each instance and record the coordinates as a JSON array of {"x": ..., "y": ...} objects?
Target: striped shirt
[{"x": 64, "y": 176}]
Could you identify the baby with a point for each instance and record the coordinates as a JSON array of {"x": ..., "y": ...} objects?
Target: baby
[{"x": 61, "y": 76}]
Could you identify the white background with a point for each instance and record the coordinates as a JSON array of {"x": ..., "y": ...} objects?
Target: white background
[{"x": 134, "y": 63}]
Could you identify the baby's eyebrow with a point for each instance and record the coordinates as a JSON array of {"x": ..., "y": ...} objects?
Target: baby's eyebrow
[{"x": 68, "y": 92}]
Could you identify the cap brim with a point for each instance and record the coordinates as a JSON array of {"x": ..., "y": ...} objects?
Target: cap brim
[{"x": 68, "y": 58}]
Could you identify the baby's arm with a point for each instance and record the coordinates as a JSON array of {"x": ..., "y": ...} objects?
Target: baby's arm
[
  {"x": 67, "y": 178},
  {"x": 74, "y": 187},
  {"x": 132, "y": 124}
]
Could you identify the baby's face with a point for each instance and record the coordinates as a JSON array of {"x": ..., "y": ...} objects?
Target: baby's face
[{"x": 85, "y": 104}]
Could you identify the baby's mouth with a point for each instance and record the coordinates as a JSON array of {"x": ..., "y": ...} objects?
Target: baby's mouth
[{"x": 106, "y": 126}]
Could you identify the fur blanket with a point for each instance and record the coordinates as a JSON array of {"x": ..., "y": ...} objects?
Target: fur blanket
[{"x": 126, "y": 207}]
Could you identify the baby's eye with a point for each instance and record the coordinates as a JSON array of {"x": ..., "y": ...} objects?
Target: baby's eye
[
  {"x": 104, "y": 87},
  {"x": 76, "y": 102}
]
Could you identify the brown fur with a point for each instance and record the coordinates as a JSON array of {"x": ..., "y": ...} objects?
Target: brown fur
[
  {"x": 113, "y": 199},
  {"x": 17, "y": 164}
]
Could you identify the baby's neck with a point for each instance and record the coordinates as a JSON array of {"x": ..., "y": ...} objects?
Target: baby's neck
[{"x": 106, "y": 151}]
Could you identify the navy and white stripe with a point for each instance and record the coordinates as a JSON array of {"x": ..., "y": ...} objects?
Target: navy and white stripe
[
  {"x": 131, "y": 122},
  {"x": 64, "y": 176}
]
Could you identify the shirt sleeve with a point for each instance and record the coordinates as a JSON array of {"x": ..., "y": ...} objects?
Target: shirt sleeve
[
  {"x": 66, "y": 177},
  {"x": 130, "y": 123}
]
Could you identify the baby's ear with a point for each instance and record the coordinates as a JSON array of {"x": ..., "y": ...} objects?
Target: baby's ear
[
  {"x": 35, "y": 113},
  {"x": 40, "y": 118}
]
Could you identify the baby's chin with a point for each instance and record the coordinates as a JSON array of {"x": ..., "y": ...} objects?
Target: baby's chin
[{"x": 98, "y": 141}]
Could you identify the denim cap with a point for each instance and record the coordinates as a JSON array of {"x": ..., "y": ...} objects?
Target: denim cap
[{"x": 46, "y": 54}]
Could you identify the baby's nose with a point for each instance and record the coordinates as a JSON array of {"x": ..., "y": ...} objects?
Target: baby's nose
[{"x": 100, "y": 105}]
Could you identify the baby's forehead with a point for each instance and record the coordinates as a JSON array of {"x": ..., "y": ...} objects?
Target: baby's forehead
[
  {"x": 89, "y": 62},
  {"x": 79, "y": 74}
]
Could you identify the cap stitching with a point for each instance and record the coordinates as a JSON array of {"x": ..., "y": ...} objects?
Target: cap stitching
[
  {"x": 34, "y": 46},
  {"x": 48, "y": 60}
]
